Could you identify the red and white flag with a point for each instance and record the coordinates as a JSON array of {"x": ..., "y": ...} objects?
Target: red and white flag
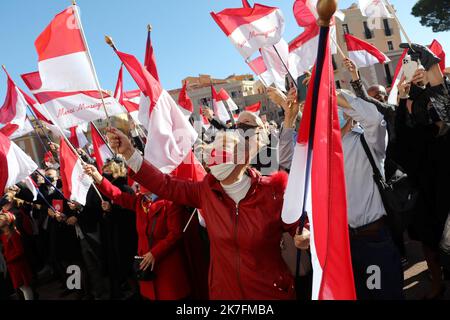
[
  {"x": 260, "y": 69},
  {"x": 76, "y": 183},
  {"x": 77, "y": 137},
  {"x": 70, "y": 109},
  {"x": 187, "y": 107},
  {"x": 101, "y": 150},
  {"x": 363, "y": 54},
  {"x": 374, "y": 9},
  {"x": 32, "y": 186},
  {"x": 220, "y": 101},
  {"x": 15, "y": 165},
  {"x": 205, "y": 121},
  {"x": 170, "y": 135},
  {"x": 245, "y": 4},
  {"x": 13, "y": 113},
  {"x": 276, "y": 58},
  {"x": 303, "y": 51},
  {"x": 317, "y": 186},
  {"x": 150, "y": 60},
  {"x": 64, "y": 63},
  {"x": 128, "y": 99},
  {"x": 250, "y": 29},
  {"x": 254, "y": 108}
]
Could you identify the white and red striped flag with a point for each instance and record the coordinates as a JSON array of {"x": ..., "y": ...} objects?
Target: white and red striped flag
[
  {"x": 205, "y": 121},
  {"x": 75, "y": 182},
  {"x": 128, "y": 99},
  {"x": 15, "y": 165},
  {"x": 70, "y": 109},
  {"x": 170, "y": 135},
  {"x": 254, "y": 108},
  {"x": 316, "y": 185},
  {"x": 250, "y": 29},
  {"x": 219, "y": 101},
  {"x": 64, "y": 62},
  {"x": 363, "y": 54},
  {"x": 77, "y": 137},
  {"x": 303, "y": 51},
  {"x": 102, "y": 152},
  {"x": 13, "y": 113},
  {"x": 276, "y": 58},
  {"x": 259, "y": 67},
  {"x": 187, "y": 107}
]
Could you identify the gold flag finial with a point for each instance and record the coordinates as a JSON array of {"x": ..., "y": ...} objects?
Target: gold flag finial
[
  {"x": 149, "y": 28},
  {"x": 326, "y": 10},
  {"x": 109, "y": 41},
  {"x": 74, "y": 3}
]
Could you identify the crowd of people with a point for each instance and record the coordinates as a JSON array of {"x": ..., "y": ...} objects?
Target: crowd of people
[{"x": 140, "y": 240}]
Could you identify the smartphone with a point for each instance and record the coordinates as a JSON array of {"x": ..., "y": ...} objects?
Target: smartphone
[
  {"x": 409, "y": 68},
  {"x": 302, "y": 90}
]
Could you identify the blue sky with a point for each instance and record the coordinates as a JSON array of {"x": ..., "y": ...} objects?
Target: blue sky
[{"x": 186, "y": 40}]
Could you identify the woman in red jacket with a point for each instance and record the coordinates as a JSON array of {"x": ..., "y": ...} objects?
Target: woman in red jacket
[
  {"x": 159, "y": 222},
  {"x": 242, "y": 211},
  {"x": 16, "y": 262}
]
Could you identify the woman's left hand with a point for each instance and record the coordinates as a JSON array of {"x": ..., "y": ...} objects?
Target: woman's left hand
[
  {"x": 302, "y": 241},
  {"x": 148, "y": 261}
]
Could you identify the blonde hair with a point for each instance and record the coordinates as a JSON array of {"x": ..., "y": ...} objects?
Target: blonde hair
[{"x": 118, "y": 169}]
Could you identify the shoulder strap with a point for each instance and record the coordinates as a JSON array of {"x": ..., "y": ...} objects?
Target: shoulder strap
[
  {"x": 375, "y": 169},
  {"x": 150, "y": 238}
]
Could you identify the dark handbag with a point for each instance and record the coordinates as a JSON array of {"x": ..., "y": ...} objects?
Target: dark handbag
[
  {"x": 147, "y": 275},
  {"x": 398, "y": 194}
]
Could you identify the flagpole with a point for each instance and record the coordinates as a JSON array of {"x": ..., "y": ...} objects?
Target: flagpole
[
  {"x": 91, "y": 61},
  {"x": 285, "y": 66},
  {"x": 190, "y": 220},
  {"x": 341, "y": 52},
  {"x": 103, "y": 138}
]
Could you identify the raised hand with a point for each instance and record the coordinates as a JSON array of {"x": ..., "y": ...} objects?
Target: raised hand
[{"x": 120, "y": 142}]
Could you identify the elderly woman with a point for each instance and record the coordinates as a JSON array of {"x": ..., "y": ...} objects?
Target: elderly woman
[{"x": 242, "y": 211}]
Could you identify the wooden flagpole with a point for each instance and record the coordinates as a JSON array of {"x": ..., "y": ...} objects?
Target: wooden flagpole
[{"x": 91, "y": 61}]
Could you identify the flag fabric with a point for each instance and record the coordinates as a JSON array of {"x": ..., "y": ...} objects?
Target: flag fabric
[
  {"x": 150, "y": 60},
  {"x": 374, "y": 9},
  {"x": 32, "y": 186},
  {"x": 205, "y": 121},
  {"x": 13, "y": 113},
  {"x": 129, "y": 99},
  {"x": 101, "y": 150},
  {"x": 15, "y": 165},
  {"x": 438, "y": 50},
  {"x": 364, "y": 54},
  {"x": 277, "y": 62},
  {"x": 250, "y": 29},
  {"x": 316, "y": 184},
  {"x": 70, "y": 109},
  {"x": 77, "y": 137},
  {"x": 259, "y": 67},
  {"x": 303, "y": 51},
  {"x": 305, "y": 12},
  {"x": 170, "y": 135},
  {"x": 219, "y": 106},
  {"x": 76, "y": 183},
  {"x": 254, "y": 108},
  {"x": 64, "y": 63},
  {"x": 185, "y": 102},
  {"x": 245, "y": 4}
]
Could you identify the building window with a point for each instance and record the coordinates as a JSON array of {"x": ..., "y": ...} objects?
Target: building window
[
  {"x": 338, "y": 84},
  {"x": 367, "y": 31},
  {"x": 388, "y": 74},
  {"x": 387, "y": 28},
  {"x": 234, "y": 94},
  {"x": 390, "y": 46},
  {"x": 346, "y": 29}
]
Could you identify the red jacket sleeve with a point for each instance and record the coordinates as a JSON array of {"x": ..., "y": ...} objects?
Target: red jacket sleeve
[
  {"x": 16, "y": 248},
  {"x": 175, "y": 233},
  {"x": 123, "y": 199},
  {"x": 166, "y": 187}
]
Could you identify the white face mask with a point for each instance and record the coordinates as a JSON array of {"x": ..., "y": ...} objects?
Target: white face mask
[{"x": 222, "y": 171}]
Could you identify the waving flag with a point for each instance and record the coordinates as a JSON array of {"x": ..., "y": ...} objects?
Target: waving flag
[
  {"x": 185, "y": 102},
  {"x": 276, "y": 58},
  {"x": 219, "y": 101},
  {"x": 76, "y": 183},
  {"x": 70, "y": 109},
  {"x": 101, "y": 150},
  {"x": 150, "y": 60},
  {"x": 129, "y": 100},
  {"x": 316, "y": 185},
  {"x": 15, "y": 165},
  {"x": 170, "y": 135},
  {"x": 374, "y": 9},
  {"x": 303, "y": 51},
  {"x": 13, "y": 113},
  {"x": 364, "y": 54},
  {"x": 438, "y": 50},
  {"x": 254, "y": 108},
  {"x": 260, "y": 69},
  {"x": 77, "y": 137},
  {"x": 245, "y": 4},
  {"x": 250, "y": 29},
  {"x": 205, "y": 121},
  {"x": 64, "y": 63}
]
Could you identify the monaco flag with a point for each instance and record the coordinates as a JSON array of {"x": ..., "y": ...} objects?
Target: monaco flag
[
  {"x": 102, "y": 152},
  {"x": 150, "y": 60},
  {"x": 128, "y": 99},
  {"x": 250, "y": 29},
  {"x": 70, "y": 109},
  {"x": 77, "y": 137},
  {"x": 374, "y": 9},
  {"x": 254, "y": 108},
  {"x": 219, "y": 107},
  {"x": 170, "y": 135},
  {"x": 276, "y": 59},
  {"x": 259, "y": 67},
  {"x": 64, "y": 63},
  {"x": 75, "y": 182},
  {"x": 15, "y": 165},
  {"x": 303, "y": 51},
  {"x": 13, "y": 113},
  {"x": 316, "y": 185},
  {"x": 362, "y": 53},
  {"x": 185, "y": 102}
]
